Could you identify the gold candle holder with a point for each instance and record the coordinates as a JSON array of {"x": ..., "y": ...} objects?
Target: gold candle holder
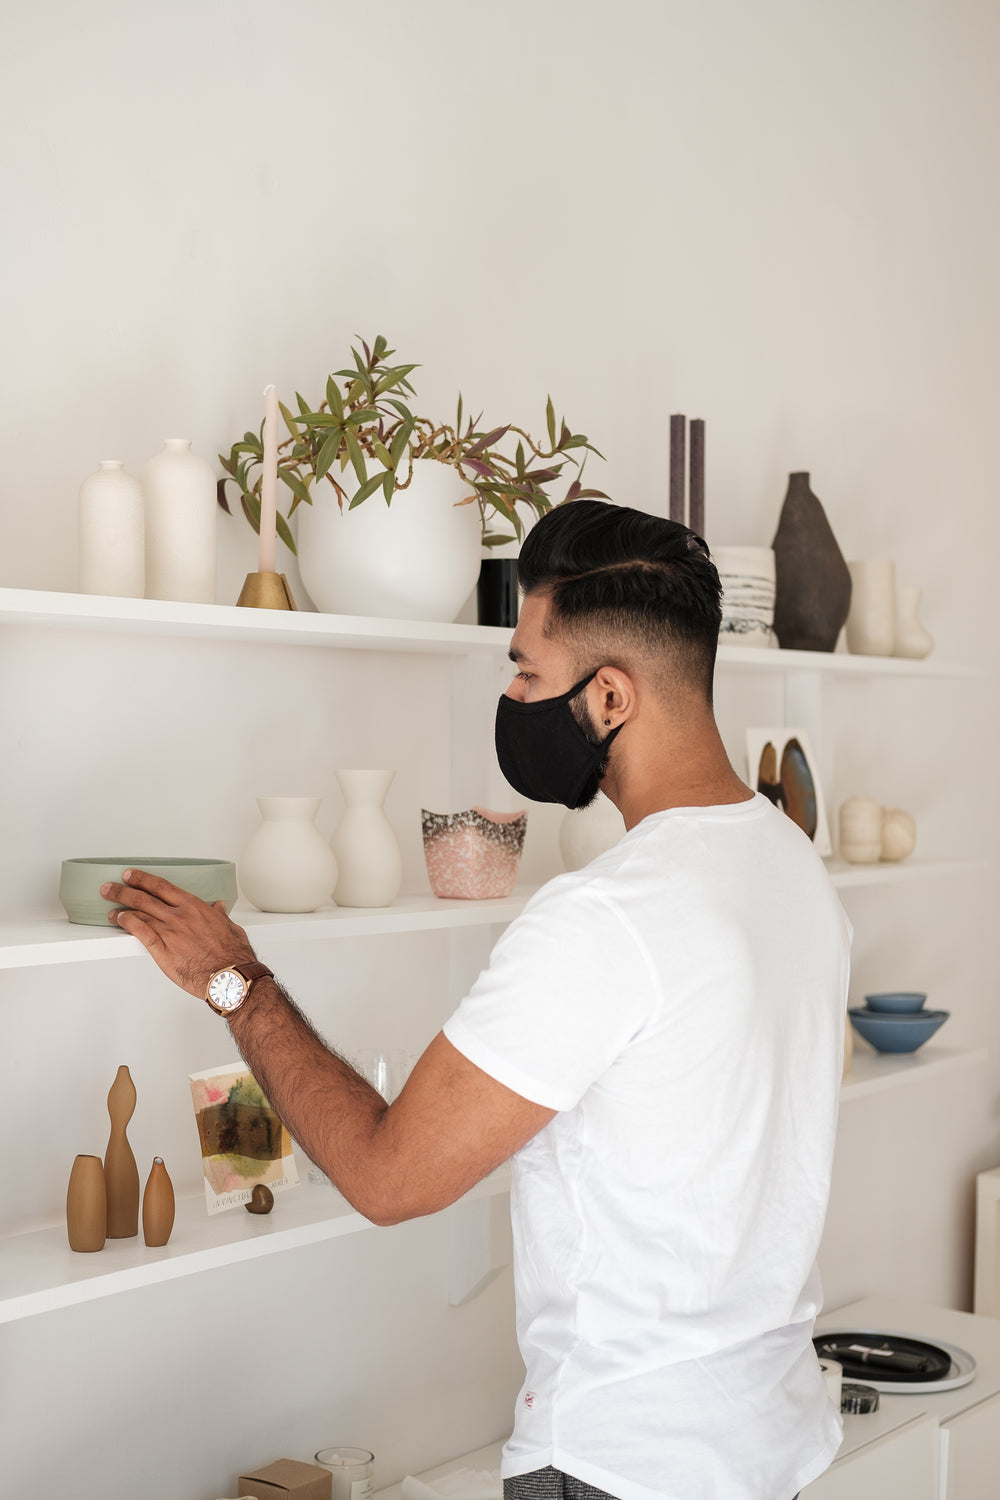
[{"x": 266, "y": 591}]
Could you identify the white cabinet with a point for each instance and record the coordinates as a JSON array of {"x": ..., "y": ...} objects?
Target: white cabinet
[
  {"x": 970, "y": 1453},
  {"x": 903, "y": 1465}
]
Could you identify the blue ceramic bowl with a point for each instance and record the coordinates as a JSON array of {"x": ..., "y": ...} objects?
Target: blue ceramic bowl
[
  {"x": 896, "y": 1033},
  {"x": 896, "y": 1001}
]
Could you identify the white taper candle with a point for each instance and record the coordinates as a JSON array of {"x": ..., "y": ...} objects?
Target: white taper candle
[{"x": 269, "y": 483}]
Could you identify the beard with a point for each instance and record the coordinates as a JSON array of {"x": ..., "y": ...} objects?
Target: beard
[{"x": 581, "y": 713}]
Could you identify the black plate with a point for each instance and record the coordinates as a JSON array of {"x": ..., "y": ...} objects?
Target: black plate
[{"x": 936, "y": 1363}]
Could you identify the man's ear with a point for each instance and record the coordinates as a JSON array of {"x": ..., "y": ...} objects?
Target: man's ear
[{"x": 612, "y": 697}]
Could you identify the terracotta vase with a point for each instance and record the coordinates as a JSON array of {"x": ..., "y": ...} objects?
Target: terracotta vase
[
  {"x": 121, "y": 1175},
  {"x": 812, "y": 581},
  {"x": 86, "y": 1205},
  {"x": 157, "y": 1205}
]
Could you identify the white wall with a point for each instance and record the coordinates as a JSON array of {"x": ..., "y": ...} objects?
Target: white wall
[{"x": 778, "y": 216}]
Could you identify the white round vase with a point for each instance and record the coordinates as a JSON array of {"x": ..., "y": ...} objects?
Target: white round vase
[
  {"x": 912, "y": 639},
  {"x": 871, "y": 623},
  {"x": 369, "y": 862},
  {"x": 112, "y": 544},
  {"x": 589, "y": 831},
  {"x": 747, "y": 577},
  {"x": 288, "y": 864},
  {"x": 181, "y": 525},
  {"x": 861, "y": 830},
  {"x": 416, "y": 559}
]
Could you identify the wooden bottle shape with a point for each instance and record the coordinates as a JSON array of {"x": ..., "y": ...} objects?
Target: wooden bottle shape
[
  {"x": 121, "y": 1175},
  {"x": 86, "y": 1204},
  {"x": 157, "y": 1205}
]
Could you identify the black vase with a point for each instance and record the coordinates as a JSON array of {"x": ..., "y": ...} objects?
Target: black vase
[
  {"x": 497, "y": 592},
  {"x": 812, "y": 583}
]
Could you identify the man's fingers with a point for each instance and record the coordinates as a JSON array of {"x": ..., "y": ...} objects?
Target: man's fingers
[
  {"x": 163, "y": 890},
  {"x": 130, "y": 897},
  {"x": 132, "y": 923}
]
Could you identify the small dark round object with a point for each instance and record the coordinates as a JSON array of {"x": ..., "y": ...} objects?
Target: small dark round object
[
  {"x": 858, "y": 1398},
  {"x": 261, "y": 1200}
]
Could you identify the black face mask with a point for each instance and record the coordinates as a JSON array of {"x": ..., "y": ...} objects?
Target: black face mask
[{"x": 545, "y": 754}]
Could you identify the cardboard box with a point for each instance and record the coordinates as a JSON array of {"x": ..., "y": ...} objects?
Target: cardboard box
[{"x": 287, "y": 1479}]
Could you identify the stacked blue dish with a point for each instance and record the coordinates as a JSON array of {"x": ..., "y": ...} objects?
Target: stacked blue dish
[{"x": 896, "y": 1021}]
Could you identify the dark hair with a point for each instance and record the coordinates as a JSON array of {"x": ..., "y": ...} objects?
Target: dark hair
[{"x": 612, "y": 572}]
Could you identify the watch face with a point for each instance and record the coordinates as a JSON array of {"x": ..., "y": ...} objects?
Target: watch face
[{"x": 227, "y": 989}]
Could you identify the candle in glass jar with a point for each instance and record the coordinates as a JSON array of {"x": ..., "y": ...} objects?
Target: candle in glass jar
[{"x": 353, "y": 1471}]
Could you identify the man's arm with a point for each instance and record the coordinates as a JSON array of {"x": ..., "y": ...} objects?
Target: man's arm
[{"x": 451, "y": 1125}]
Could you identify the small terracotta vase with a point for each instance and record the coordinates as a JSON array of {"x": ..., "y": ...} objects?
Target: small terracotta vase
[
  {"x": 86, "y": 1205},
  {"x": 121, "y": 1175},
  {"x": 157, "y": 1205}
]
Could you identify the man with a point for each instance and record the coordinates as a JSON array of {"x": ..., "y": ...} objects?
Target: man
[{"x": 656, "y": 1041}]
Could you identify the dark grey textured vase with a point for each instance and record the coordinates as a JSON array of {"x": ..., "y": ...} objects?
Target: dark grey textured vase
[{"x": 812, "y": 583}]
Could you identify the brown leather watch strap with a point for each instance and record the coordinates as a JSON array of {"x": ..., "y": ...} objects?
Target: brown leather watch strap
[{"x": 252, "y": 971}]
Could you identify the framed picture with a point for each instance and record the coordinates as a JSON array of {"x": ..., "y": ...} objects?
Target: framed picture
[
  {"x": 782, "y": 766},
  {"x": 243, "y": 1142}
]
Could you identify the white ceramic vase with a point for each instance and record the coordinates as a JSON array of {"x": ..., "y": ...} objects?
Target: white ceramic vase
[
  {"x": 747, "y": 578},
  {"x": 871, "y": 623},
  {"x": 899, "y": 834},
  {"x": 588, "y": 832},
  {"x": 912, "y": 639},
  {"x": 181, "y": 525},
  {"x": 861, "y": 831},
  {"x": 369, "y": 862},
  {"x": 288, "y": 864},
  {"x": 112, "y": 544},
  {"x": 416, "y": 559}
]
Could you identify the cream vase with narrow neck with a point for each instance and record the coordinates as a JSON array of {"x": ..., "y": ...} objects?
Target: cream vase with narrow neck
[
  {"x": 181, "y": 525},
  {"x": 369, "y": 862},
  {"x": 112, "y": 541},
  {"x": 288, "y": 865}
]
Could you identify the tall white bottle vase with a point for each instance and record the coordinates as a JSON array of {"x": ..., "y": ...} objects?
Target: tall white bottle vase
[
  {"x": 181, "y": 525},
  {"x": 369, "y": 861},
  {"x": 112, "y": 547},
  {"x": 288, "y": 864}
]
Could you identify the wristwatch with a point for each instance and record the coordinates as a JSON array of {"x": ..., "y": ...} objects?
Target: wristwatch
[{"x": 229, "y": 989}]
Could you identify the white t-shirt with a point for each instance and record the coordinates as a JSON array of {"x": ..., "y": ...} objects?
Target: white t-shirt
[{"x": 681, "y": 1002}]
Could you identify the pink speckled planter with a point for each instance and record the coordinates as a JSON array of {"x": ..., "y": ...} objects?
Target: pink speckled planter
[{"x": 473, "y": 855}]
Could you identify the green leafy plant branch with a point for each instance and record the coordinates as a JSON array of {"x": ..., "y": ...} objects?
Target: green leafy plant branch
[{"x": 363, "y": 420}]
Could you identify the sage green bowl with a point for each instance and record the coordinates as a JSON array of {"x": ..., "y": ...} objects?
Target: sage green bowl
[{"x": 81, "y": 881}]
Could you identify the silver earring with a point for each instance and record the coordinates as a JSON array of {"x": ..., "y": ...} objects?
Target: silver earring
[{"x": 607, "y": 721}]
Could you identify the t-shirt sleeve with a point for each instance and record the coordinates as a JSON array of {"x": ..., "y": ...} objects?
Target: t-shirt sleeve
[{"x": 567, "y": 988}]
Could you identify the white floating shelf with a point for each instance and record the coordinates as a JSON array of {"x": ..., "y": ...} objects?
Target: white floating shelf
[
  {"x": 845, "y": 875},
  {"x": 39, "y": 1272},
  {"x": 227, "y": 622},
  {"x": 874, "y": 1072},
  {"x": 54, "y": 940},
  {"x": 760, "y": 659}
]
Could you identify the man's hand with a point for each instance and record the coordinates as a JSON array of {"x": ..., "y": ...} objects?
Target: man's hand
[{"x": 187, "y": 938}]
